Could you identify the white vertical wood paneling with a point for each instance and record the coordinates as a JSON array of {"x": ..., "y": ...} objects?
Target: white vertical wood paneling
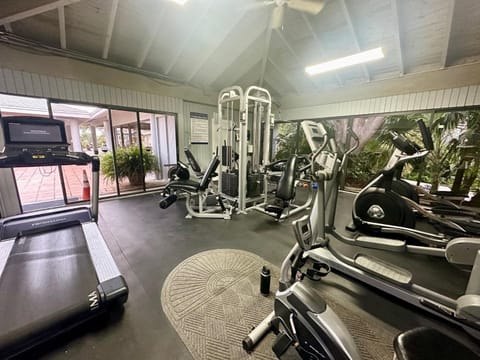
[
  {"x": 438, "y": 99},
  {"x": 462, "y": 96},
  {"x": 61, "y": 87},
  {"x": 3, "y": 85},
  {"x": 95, "y": 94},
  {"x": 27, "y": 82},
  {"x": 411, "y": 100},
  {"x": 425, "y": 100},
  {"x": 453, "y": 101},
  {"x": 18, "y": 79},
  {"x": 88, "y": 92},
  {"x": 472, "y": 90},
  {"x": 9, "y": 81},
  {"x": 37, "y": 86},
  {"x": 447, "y": 94},
  {"x": 431, "y": 100},
  {"x": 52, "y": 83},
  {"x": 477, "y": 97},
  {"x": 388, "y": 104},
  {"x": 417, "y": 103},
  {"x": 44, "y": 86},
  {"x": 83, "y": 91},
  {"x": 68, "y": 89}
]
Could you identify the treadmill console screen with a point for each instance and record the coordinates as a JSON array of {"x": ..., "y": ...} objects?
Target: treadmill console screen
[
  {"x": 33, "y": 130},
  {"x": 21, "y": 133}
]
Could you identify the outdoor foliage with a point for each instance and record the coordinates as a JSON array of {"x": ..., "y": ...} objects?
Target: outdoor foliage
[
  {"x": 128, "y": 164},
  {"x": 449, "y": 130},
  {"x": 456, "y": 138},
  {"x": 286, "y": 141}
]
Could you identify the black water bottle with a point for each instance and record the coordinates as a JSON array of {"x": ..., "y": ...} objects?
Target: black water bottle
[{"x": 265, "y": 281}]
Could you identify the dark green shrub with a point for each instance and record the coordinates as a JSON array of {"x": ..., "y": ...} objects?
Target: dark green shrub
[{"x": 128, "y": 164}]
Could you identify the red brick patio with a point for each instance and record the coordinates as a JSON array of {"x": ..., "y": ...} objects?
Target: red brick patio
[{"x": 42, "y": 184}]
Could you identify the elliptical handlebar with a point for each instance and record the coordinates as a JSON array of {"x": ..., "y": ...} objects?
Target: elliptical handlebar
[
  {"x": 403, "y": 144},
  {"x": 426, "y": 135},
  {"x": 318, "y": 151}
]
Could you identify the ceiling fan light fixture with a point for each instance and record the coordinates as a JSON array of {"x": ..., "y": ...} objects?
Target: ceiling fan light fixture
[
  {"x": 179, "y": 2},
  {"x": 359, "y": 58}
]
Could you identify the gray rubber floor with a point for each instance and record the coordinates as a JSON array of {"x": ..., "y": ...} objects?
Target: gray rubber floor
[{"x": 149, "y": 242}]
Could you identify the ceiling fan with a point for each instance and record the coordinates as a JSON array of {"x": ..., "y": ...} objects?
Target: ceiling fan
[{"x": 309, "y": 6}]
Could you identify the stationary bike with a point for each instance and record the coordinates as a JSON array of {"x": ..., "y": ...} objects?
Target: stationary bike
[{"x": 301, "y": 319}]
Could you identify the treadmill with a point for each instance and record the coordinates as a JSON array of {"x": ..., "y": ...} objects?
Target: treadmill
[{"x": 56, "y": 270}]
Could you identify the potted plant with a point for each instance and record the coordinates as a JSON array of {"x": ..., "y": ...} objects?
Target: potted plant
[{"x": 128, "y": 161}]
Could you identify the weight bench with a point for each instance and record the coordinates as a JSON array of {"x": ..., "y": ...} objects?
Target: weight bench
[{"x": 200, "y": 192}]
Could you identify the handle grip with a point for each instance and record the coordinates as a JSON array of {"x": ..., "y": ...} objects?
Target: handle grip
[{"x": 426, "y": 134}]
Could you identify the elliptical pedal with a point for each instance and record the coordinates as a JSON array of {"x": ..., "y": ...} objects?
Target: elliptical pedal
[{"x": 383, "y": 269}]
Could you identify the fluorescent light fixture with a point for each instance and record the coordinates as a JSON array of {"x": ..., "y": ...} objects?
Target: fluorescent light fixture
[
  {"x": 180, "y": 2},
  {"x": 355, "y": 59}
]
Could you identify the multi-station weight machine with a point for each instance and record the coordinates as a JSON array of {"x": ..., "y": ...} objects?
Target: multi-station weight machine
[
  {"x": 243, "y": 132},
  {"x": 242, "y": 145}
]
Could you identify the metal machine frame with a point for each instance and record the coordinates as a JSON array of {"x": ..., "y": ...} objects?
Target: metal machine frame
[
  {"x": 464, "y": 311},
  {"x": 59, "y": 224},
  {"x": 244, "y": 124}
]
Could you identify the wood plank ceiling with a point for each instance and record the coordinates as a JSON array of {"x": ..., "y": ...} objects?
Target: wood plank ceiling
[{"x": 211, "y": 44}]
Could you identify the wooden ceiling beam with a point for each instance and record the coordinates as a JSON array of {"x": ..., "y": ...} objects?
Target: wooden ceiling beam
[
  {"x": 348, "y": 18},
  {"x": 294, "y": 54},
  {"x": 62, "y": 28},
  {"x": 397, "y": 31},
  {"x": 451, "y": 10},
  {"x": 319, "y": 44},
  {"x": 220, "y": 70},
  {"x": 199, "y": 21},
  {"x": 207, "y": 55},
  {"x": 21, "y": 14},
  {"x": 266, "y": 48},
  {"x": 151, "y": 39},
  {"x": 287, "y": 77},
  {"x": 111, "y": 24}
]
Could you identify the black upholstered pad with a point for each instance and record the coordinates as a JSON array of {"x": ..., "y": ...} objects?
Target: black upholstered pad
[
  {"x": 286, "y": 184},
  {"x": 425, "y": 343},
  {"x": 186, "y": 185}
]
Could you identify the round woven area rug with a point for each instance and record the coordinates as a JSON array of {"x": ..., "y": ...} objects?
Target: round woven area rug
[{"x": 213, "y": 300}]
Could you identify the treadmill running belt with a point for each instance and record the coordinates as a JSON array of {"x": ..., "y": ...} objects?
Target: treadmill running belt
[{"x": 46, "y": 281}]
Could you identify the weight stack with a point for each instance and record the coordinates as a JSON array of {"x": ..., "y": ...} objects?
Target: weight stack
[
  {"x": 254, "y": 185},
  {"x": 230, "y": 184}
]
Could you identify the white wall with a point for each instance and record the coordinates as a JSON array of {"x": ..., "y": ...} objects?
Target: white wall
[
  {"x": 426, "y": 100},
  {"x": 202, "y": 152},
  {"x": 26, "y": 73}
]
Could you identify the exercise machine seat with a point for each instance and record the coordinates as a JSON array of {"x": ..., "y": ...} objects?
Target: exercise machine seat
[
  {"x": 195, "y": 186},
  {"x": 186, "y": 185},
  {"x": 286, "y": 184},
  {"x": 426, "y": 343}
]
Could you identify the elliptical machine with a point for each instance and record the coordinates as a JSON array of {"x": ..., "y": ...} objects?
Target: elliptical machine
[
  {"x": 389, "y": 205},
  {"x": 301, "y": 319}
]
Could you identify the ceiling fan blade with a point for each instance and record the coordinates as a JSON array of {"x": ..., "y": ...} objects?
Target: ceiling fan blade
[
  {"x": 257, "y": 5},
  {"x": 310, "y": 6}
]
